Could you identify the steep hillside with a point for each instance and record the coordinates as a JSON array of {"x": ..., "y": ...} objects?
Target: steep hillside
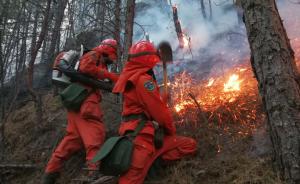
[{"x": 245, "y": 161}]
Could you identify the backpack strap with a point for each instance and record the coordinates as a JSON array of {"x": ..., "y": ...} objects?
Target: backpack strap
[
  {"x": 139, "y": 127},
  {"x": 143, "y": 119}
]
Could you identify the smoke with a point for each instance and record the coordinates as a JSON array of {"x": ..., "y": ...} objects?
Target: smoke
[
  {"x": 290, "y": 15},
  {"x": 216, "y": 45},
  {"x": 158, "y": 23}
]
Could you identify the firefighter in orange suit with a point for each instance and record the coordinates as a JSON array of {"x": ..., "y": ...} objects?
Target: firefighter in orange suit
[
  {"x": 85, "y": 128},
  {"x": 141, "y": 96}
]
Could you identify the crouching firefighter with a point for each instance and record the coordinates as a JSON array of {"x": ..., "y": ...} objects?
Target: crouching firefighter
[
  {"x": 85, "y": 127},
  {"x": 143, "y": 103}
]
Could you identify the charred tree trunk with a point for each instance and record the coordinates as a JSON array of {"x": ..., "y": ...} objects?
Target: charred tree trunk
[
  {"x": 273, "y": 63},
  {"x": 130, "y": 8}
]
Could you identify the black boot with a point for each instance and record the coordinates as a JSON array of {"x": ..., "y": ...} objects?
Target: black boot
[{"x": 50, "y": 178}]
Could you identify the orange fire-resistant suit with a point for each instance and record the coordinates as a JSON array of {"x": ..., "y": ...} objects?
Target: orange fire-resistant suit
[
  {"x": 85, "y": 128},
  {"x": 141, "y": 95}
]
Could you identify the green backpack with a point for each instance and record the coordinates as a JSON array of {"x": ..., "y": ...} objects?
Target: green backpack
[
  {"x": 73, "y": 96},
  {"x": 115, "y": 154}
]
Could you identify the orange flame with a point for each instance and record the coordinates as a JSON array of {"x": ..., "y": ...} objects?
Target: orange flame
[
  {"x": 232, "y": 97},
  {"x": 230, "y": 101},
  {"x": 233, "y": 84},
  {"x": 210, "y": 82},
  {"x": 185, "y": 41}
]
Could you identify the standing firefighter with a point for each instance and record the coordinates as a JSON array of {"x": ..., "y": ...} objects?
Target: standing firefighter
[
  {"x": 85, "y": 127},
  {"x": 142, "y": 101}
]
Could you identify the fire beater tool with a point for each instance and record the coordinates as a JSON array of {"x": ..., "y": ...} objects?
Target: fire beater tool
[{"x": 166, "y": 56}]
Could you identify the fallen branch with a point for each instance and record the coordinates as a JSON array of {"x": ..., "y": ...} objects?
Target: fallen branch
[
  {"x": 199, "y": 108},
  {"x": 18, "y": 166}
]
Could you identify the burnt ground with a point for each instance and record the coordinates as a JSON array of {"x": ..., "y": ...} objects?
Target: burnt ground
[{"x": 242, "y": 161}]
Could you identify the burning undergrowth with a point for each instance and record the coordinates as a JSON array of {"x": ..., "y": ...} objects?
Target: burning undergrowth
[
  {"x": 226, "y": 104},
  {"x": 229, "y": 102}
]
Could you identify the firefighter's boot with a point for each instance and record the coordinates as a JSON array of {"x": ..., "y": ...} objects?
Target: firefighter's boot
[{"x": 50, "y": 178}]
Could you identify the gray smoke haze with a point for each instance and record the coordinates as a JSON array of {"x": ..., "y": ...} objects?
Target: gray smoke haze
[
  {"x": 158, "y": 21},
  {"x": 219, "y": 42},
  {"x": 290, "y": 15}
]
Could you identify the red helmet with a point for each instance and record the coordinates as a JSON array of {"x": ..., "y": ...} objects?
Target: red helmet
[
  {"x": 109, "y": 47},
  {"x": 144, "y": 52}
]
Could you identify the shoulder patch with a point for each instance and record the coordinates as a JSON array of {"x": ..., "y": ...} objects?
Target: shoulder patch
[{"x": 149, "y": 85}]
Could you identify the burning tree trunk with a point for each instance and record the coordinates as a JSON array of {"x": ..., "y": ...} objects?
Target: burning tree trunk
[
  {"x": 178, "y": 28},
  {"x": 274, "y": 66}
]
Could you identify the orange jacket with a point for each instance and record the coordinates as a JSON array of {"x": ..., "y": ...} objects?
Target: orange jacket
[
  {"x": 141, "y": 95},
  {"x": 90, "y": 64}
]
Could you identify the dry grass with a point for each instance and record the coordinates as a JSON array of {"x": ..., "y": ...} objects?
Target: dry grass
[
  {"x": 233, "y": 165},
  {"x": 222, "y": 169}
]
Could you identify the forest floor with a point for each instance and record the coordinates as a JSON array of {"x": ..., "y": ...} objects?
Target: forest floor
[{"x": 244, "y": 161}]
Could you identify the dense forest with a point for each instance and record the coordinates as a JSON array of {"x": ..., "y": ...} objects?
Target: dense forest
[{"x": 233, "y": 84}]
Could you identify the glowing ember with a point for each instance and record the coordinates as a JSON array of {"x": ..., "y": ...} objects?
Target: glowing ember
[
  {"x": 233, "y": 84},
  {"x": 219, "y": 148},
  {"x": 178, "y": 107},
  {"x": 181, "y": 106}
]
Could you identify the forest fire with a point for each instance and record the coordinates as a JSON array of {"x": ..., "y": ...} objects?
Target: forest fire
[
  {"x": 230, "y": 99},
  {"x": 227, "y": 104}
]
